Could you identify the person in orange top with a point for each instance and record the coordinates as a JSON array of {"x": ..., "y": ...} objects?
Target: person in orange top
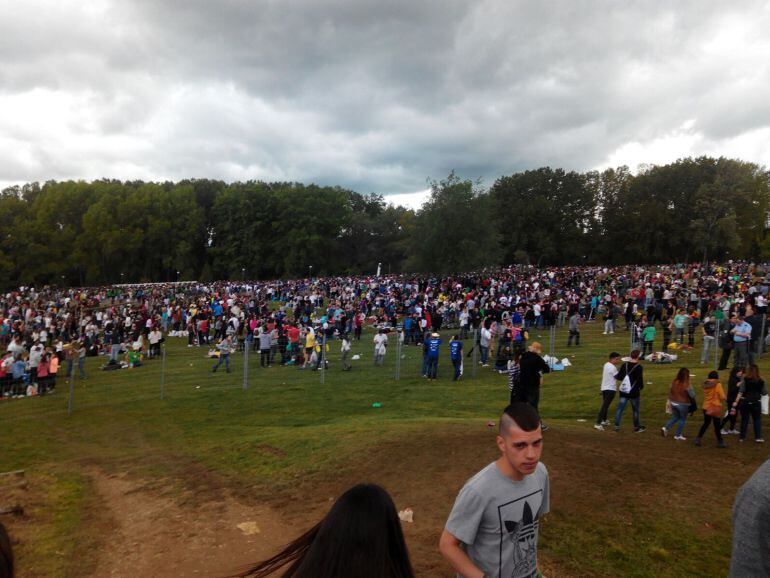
[
  {"x": 53, "y": 369},
  {"x": 712, "y": 408}
]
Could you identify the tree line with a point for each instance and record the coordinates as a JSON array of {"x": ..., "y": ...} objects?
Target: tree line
[{"x": 108, "y": 231}]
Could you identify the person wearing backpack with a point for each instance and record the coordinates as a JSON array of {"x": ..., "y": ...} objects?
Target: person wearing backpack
[{"x": 631, "y": 378}]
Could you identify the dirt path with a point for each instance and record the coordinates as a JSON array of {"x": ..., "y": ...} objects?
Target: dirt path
[{"x": 161, "y": 533}]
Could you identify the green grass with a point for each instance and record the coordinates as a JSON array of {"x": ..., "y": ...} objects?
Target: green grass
[{"x": 287, "y": 426}]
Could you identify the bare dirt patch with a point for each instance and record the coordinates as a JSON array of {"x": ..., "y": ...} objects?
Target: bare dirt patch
[
  {"x": 158, "y": 532},
  {"x": 604, "y": 487}
]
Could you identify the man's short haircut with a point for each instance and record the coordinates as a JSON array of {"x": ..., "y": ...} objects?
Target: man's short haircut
[
  {"x": 635, "y": 354},
  {"x": 519, "y": 414},
  {"x": 614, "y": 354}
]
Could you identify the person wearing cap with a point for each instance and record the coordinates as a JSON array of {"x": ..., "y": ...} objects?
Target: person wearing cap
[{"x": 432, "y": 346}]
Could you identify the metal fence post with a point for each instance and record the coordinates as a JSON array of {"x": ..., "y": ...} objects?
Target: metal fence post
[
  {"x": 323, "y": 358},
  {"x": 163, "y": 371},
  {"x": 399, "y": 345},
  {"x": 246, "y": 366},
  {"x": 475, "y": 352},
  {"x": 633, "y": 335},
  {"x": 716, "y": 344},
  {"x": 71, "y": 399},
  {"x": 552, "y": 346}
]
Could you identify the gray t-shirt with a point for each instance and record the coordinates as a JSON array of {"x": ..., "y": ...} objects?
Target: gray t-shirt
[
  {"x": 751, "y": 526},
  {"x": 498, "y": 519}
]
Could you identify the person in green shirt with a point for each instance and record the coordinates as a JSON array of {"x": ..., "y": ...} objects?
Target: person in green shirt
[
  {"x": 680, "y": 322},
  {"x": 648, "y": 337}
]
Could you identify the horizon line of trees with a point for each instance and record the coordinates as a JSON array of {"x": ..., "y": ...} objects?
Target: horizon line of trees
[{"x": 109, "y": 231}]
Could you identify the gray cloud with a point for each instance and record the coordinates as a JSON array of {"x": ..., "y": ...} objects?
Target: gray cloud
[{"x": 375, "y": 96}]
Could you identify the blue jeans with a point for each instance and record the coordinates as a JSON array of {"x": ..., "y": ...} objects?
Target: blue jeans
[
  {"x": 678, "y": 414},
  {"x": 457, "y": 363},
  {"x": 432, "y": 367},
  {"x": 114, "y": 352},
  {"x": 622, "y": 406},
  {"x": 226, "y": 360},
  {"x": 484, "y": 349}
]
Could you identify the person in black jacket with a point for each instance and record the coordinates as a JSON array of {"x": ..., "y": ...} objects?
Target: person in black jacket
[
  {"x": 532, "y": 367},
  {"x": 630, "y": 390}
]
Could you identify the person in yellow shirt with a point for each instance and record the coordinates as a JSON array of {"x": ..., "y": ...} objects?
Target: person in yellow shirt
[{"x": 309, "y": 344}]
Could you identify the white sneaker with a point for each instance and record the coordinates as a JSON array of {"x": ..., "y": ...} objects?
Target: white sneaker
[
  {"x": 760, "y": 441},
  {"x": 663, "y": 432},
  {"x": 725, "y": 432},
  {"x": 604, "y": 333},
  {"x": 735, "y": 432},
  {"x": 599, "y": 427},
  {"x": 605, "y": 423},
  {"x": 680, "y": 438}
]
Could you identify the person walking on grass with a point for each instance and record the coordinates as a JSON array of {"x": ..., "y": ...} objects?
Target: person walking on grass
[
  {"x": 225, "y": 347},
  {"x": 456, "y": 356},
  {"x": 533, "y": 367},
  {"x": 741, "y": 337},
  {"x": 608, "y": 389},
  {"x": 749, "y": 401},
  {"x": 433, "y": 344},
  {"x": 494, "y": 525},
  {"x": 344, "y": 352},
  {"x": 648, "y": 339},
  {"x": 680, "y": 322},
  {"x": 631, "y": 378},
  {"x": 681, "y": 398},
  {"x": 380, "y": 341},
  {"x": 714, "y": 396},
  {"x": 574, "y": 329},
  {"x": 733, "y": 389}
]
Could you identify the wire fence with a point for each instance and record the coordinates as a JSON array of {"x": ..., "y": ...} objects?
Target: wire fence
[{"x": 179, "y": 372}]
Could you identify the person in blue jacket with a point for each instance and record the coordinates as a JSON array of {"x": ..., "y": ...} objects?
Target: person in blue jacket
[
  {"x": 456, "y": 355},
  {"x": 432, "y": 346}
]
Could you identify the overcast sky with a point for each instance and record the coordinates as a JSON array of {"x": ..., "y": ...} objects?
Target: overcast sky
[{"x": 376, "y": 96}]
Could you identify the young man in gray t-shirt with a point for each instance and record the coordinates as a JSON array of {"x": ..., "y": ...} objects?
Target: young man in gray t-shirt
[{"x": 492, "y": 530}]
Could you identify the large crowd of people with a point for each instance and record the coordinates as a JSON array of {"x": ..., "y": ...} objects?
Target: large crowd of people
[
  {"x": 48, "y": 331},
  {"x": 493, "y": 527}
]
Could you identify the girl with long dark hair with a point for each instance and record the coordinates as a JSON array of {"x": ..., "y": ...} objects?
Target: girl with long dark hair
[
  {"x": 680, "y": 397},
  {"x": 360, "y": 537}
]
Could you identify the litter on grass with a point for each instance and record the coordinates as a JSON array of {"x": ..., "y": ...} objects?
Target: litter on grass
[
  {"x": 406, "y": 515},
  {"x": 249, "y": 528}
]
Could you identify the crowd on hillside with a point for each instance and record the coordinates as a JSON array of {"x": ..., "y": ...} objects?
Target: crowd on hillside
[{"x": 50, "y": 330}]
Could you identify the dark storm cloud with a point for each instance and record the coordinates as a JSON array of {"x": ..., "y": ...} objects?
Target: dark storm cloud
[{"x": 375, "y": 96}]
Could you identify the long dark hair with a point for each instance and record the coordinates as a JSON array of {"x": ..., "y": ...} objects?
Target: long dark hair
[
  {"x": 683, "y": 377},
  {"x": 360, "y": 537},
  {"x": 6, "y": 555}
]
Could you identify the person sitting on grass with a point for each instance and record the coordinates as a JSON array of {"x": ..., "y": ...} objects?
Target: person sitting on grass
[{"x": 360, "y": 537}]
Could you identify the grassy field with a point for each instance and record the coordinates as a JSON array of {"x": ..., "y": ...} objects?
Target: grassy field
[{"x": 622, "y": 504}]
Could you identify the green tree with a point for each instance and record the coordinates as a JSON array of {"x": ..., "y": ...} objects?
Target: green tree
[{"x": 454, "y": 230}]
